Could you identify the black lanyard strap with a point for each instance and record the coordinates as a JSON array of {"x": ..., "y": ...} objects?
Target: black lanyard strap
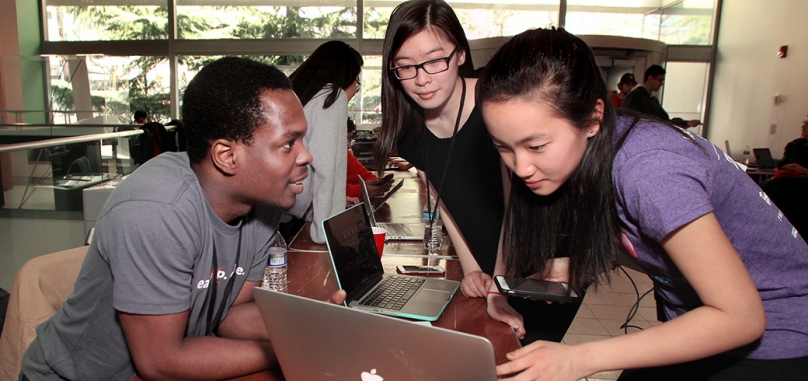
[
  {"x": 213, "y": 321},
  {"x": 432, "y": 211}
]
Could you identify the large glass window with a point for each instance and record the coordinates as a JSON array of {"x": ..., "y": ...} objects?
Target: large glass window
[
  {"x": 685, "y": 22},
  {"x": 74, "y": 20},
  {"x": 265, "y": 19},
  {"x": 117, "y": 87},
  {"x": 207, "y": 29},
  {"x": 685, "y": 90},
  {"x": 480, "y": 19}
]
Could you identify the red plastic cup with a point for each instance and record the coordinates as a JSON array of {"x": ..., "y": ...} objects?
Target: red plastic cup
[{"x": 379, "y": 234}]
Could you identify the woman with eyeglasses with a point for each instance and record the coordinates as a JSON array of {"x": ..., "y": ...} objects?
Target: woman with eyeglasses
[
  {"x": 429, "y": 115},
  {"x": 325, "y": 83}
]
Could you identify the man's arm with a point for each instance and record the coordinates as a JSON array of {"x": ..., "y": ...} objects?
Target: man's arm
[
  {"x": 243, "y": 320},
  {"x": 161, "y": 352}
]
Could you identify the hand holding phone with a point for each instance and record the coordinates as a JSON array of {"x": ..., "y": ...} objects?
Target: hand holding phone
[
  {"x": 535, "y": 289},
  {"x": 386, "y": 179}
]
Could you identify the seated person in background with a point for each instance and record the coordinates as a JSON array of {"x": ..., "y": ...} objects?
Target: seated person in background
[
  {"x": 179, "y": 134},
  {"x": 376, "y": 188},
  {"x": 146, "y": 301},
  {"x": 641, "y": 100},
  {"x": 141, "y": 117},
  {"x": 795, "y": 157}
]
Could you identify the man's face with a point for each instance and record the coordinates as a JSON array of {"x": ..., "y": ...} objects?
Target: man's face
[
  {"x": 276, "y": 159},
  {"x": 655, "y": 83}
]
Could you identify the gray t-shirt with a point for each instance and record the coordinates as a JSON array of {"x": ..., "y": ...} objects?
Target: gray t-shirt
[{"x": 152, "y": 254}]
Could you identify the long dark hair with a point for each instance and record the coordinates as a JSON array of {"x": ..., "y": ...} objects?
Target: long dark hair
[
  {"x": 399, "y": 111},
  {"x": 333, "y": 63},
  {"x": 556, "y": 69}
]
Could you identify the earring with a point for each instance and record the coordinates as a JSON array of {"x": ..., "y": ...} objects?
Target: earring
[{"x": 591, "y": 131}]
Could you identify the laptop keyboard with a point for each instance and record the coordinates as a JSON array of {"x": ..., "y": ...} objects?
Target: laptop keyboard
[
  {"x": 393, "y": 292},
  {"x": 398, "y": 230}
]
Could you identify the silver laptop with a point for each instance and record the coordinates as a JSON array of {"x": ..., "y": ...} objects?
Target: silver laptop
[
  {"x": 359, "y": 272},
  {"x": 320, "y": 341},
  {"x": 395, "y": 231}
]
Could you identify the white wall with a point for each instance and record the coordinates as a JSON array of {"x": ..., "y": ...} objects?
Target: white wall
[{"x": 748, "y": 74}]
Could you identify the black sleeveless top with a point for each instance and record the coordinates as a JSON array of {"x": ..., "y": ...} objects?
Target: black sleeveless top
[{"x": 473, "y": 186}]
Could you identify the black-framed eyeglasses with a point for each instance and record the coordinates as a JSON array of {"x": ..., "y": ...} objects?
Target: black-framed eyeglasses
[
  {"x": 438, "y": 65},
  {"x": 660, "y": 79},
  {"x": 358, "y": 84}
]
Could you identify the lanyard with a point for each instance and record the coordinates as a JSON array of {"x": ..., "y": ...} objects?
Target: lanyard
[
  {"x": 432, "y": 211},
  {"x": 213, "y": 321}
]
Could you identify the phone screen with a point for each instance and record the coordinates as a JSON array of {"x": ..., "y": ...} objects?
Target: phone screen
[
  {"x": 420, "y": 268},
  {"x": 541, "y": 287},
  {"x": 531, "y": 288},
  {"x": 413, "y": 269}
]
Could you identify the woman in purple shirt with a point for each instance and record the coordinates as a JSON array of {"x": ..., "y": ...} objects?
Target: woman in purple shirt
[{"x": 730, "y": 271}]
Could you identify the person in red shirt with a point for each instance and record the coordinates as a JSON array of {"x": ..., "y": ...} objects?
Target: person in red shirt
[
  {"x": 376, "y": 188},
  {"x": 627, "y": 82}
]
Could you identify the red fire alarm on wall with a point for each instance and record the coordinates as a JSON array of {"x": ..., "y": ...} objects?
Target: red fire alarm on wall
[{"x": 783, "y": 51}]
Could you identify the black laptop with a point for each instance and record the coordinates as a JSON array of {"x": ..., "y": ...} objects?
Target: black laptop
[
  {"x": 360, "y": 273},
  {"x": 763, "y": 157}
]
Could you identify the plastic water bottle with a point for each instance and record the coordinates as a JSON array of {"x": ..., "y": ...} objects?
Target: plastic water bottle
[
  {"x": 746, "y": 152},
  {"x": 275, "y": 272},
  {"x": 433, "y": 227}
]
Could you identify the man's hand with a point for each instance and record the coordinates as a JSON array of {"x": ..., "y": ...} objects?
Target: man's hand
[
  {"x": 351, "y": 201},
  {"x": 693, "y": 123},
  {"x": 338, "y": 297},
  {"x": 796, "y": 167}
]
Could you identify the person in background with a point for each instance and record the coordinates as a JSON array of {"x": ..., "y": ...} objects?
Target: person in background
[
  {"x": 641, "y": 100},
  {"x": 141, "y": 117},
  {"x": 376, "y": 188},
  {"x": 732, "y": 272},
  {"x": 325, "y": 83},
  {"x": 795, "y": 157},
  {"x": 431, "y": 117},
  {"x": 179, "y": 134},
  {"x": 166, "y": 288},
  {"x": 626, "y": 84}
]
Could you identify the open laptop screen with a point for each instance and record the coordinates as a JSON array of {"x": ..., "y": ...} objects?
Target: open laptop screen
[
  {"x": 353, "y": 249},
  {"x": 763, "y": 156}
]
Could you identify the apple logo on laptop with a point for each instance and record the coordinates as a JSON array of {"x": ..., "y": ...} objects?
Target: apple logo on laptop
[{"x": 372, "y": 376}]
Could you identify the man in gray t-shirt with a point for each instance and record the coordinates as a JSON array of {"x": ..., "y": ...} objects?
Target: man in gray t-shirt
[{"x": 166, "y": 288}]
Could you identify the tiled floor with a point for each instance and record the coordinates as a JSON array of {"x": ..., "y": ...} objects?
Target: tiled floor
[{"x": 604, "y": 312}]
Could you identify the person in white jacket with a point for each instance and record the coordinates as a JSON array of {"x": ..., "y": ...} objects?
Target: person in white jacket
[{"x": 325, "y": 83}]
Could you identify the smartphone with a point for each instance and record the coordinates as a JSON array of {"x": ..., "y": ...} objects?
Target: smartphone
[
  {"x": 535, "y": 289},
  {"x": 386, "y": 179},
  {"x": 420, "y": 270}
]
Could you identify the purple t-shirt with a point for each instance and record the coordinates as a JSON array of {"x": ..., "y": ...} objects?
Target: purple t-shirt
[{"x": 664, "y": 181}]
